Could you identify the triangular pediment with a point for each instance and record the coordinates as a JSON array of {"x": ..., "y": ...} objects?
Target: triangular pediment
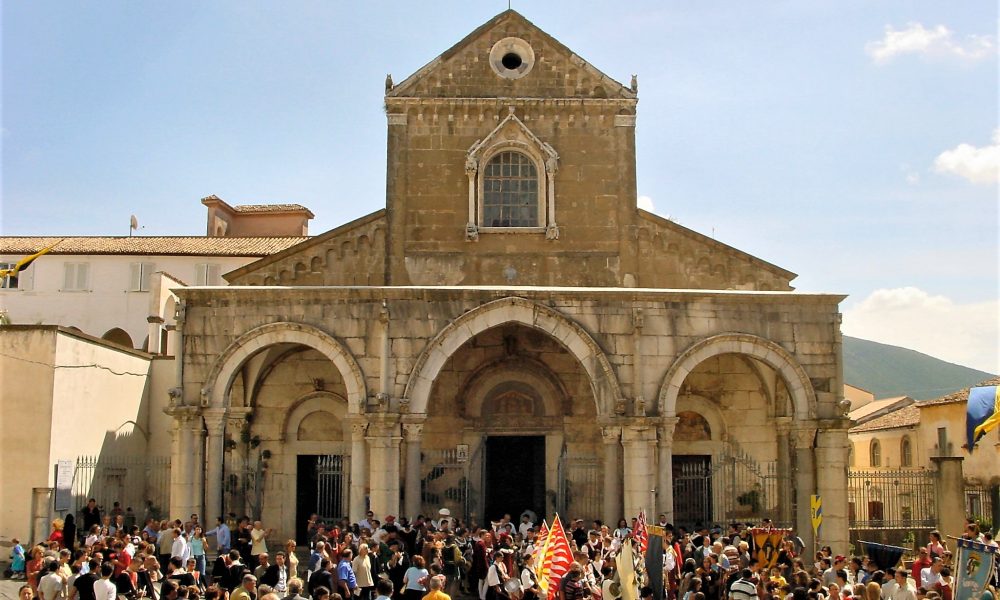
[
  {"x": 465, "y": 71},
  {"x": 512, "y": 131}
]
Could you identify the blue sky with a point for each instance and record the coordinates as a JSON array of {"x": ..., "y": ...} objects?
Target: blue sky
[{"x": 849, "y": 141}]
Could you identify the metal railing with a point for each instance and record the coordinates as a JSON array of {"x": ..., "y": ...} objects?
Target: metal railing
[{"x": 139, "y": 482}]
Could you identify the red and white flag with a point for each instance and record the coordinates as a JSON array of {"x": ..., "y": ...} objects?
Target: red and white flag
[
  {"x": 640, "y": 534},
  {"x": 556, "y": 557}
]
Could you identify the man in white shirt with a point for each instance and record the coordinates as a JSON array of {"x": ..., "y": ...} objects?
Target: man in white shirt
[
  {"x": 103, "y": 588},
  {"x": 179, "y": 547},
  {"x": 525, "y": 525},
  {"x": 929, "y": 576},
  {"x": 902, "y": 590},
  {"x": 366, "y": 523},
  {"x": 50, "y": 587}
]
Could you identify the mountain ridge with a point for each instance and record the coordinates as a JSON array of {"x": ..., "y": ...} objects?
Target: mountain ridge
[{"x": 887, "y": 371}]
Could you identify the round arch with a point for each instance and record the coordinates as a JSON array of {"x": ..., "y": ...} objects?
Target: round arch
[
  {"x": 568, "y": 333},
  {"x": 313, "y": 402},
  {"x": 796, "y": 380},
  {"x": 228, "y": 364},
  {"x": 118, "y": 336}
]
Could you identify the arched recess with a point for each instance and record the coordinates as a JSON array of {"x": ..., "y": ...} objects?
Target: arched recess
[
  {"x": 227, "y": 365},
  {"x": 713, "y": 420},
  {"x": 569, "y": 334},
  {"x": 118, "y": 336},
  {"x": 488, "y": 380},
  {"x": 796, "y": 380},
  {"x": 306, "y": 407}
]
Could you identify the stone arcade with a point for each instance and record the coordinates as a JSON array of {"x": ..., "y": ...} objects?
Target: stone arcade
[{"x": 511, "y": 332}]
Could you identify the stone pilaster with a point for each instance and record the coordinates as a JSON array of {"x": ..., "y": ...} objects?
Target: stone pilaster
[
  {"x": 665, "y": 465},
  {"x": 413, "y": 434},
  {"x": 197, "y": 470},
  {"x": 639, "y": 442},
  {"x": 831, "y": 483},
  {"x": 383, "y": 444},
  {"x": 359, "y": 471},
  {"x": 612, "y": 438}
]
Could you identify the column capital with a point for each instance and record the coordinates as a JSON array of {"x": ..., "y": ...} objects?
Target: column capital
[
  {"x": 215, "y": 420},
  {"x": 805, "y": 437},
  {"x": 611, "y": 435},
  {"x": 358, "y": 430},
  {"x": 638, "y": 435},
  {"x": 666, "y": 427},
  {"x": 413, "y": 432},
  {"x": 782, "y": 424}
]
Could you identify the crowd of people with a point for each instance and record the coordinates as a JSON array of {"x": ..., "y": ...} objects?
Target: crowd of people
[{"x": 108, "y": 558}]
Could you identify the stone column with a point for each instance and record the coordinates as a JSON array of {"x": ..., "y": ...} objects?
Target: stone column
[
  {"x": 182, "y": 487},
  {"x": 831, "y": 484},
  {"x": 215, "y": 424},
  {"x": 640, "y": 468},
  {"x": 612, "y": 437},
  {"x": 804, "y": 483},
  {"x": 359, "y": 471},
  {"x": 236, "y": 424},
  {"x": 413, "y": 433},
  {"x": 383, "y": 443},
  {"x": 665, "y": 466},
  {"x": 949, "y": 483},
  {"x": 785, "y": 517},
  {"x": 197, "y": 470}
]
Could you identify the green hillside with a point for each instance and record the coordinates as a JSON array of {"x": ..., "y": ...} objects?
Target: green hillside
[{"x": 888, "y": 371}]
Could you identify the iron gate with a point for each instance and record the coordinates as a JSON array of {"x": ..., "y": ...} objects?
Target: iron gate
[
  {"x": 580, "y": 487},
  {"x": 330, "y": 487},
  {"x": 142, "y": 483},
  {"x": 729, "y": 486},
  {"x": 445, "y": 481}
]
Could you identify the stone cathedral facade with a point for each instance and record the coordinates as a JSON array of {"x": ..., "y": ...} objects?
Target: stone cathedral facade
[{"x": 511, "y": 332}]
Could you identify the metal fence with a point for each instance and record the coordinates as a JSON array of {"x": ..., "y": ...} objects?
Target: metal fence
[
  {"x": 899, "y": 499},
  {"x": 979, "y": 502},
  {"x": 730, "y": 486},
  {"x": 580, "y": 487},
  {"x": 445, "y": 481},
  {"x": 139, "y": 482}
]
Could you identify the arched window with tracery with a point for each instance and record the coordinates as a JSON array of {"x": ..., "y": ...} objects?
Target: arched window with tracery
[
  {"x": 875, "y": 452},
  {"x": 905, "y": 452},
  {"x": 510, "y": 191}
]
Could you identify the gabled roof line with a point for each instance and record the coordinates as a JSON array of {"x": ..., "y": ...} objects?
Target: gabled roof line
[{"x": 397, "y": 90}]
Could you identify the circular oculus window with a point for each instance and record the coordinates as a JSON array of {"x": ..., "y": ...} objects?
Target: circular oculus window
[{"x": 512, "y": 58}]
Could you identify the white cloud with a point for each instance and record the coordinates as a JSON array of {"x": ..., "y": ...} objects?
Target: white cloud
[
  {"x": 965, "y": 334},
  {"x": 978, "y": 165},
  {"x": 646, "y": 203},
  {"x": 937, "y": 42}
]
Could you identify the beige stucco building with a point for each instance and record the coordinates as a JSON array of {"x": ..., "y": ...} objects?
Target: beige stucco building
[{"x": 510, "y": 332}]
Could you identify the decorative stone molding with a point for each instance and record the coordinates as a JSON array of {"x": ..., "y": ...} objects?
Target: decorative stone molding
[
  {"x": 603, "y": 381},
  {"x": 768, "y": 352},
  {"x": 624, "y": 120},
  {"x": 228, "y": 364},
  {"x": 396, "y": 118},
  {"x": 611, "y": 435}
]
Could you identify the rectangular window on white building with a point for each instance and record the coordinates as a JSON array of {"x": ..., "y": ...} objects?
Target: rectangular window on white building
[
  {"x": 76, "y": 277},
  {"x": 21, "y": 281},
  {"x": 208, "y": 274},
  {"x": 139, "y": 275}
]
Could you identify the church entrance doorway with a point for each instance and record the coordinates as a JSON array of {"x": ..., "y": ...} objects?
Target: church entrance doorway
[
  {"x": 514, "y": 476},
  {"x": 321, "y": 488}
]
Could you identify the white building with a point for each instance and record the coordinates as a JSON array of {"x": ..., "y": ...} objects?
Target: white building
[{"x": 104, "y": 286}]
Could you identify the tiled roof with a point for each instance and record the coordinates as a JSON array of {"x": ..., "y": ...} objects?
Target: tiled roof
[
  {"x": 267, "y": 208},
  {"x": 150, "y": 245},
  {"x": 907, "y": 416},
  {"x": 960, "y": 395},
  {"x": 859, "y": 414}
]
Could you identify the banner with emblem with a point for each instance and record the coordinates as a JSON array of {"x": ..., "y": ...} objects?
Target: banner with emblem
[
  {"x": 973, "y": 567},
  {"x": 766, "y": 544}
]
